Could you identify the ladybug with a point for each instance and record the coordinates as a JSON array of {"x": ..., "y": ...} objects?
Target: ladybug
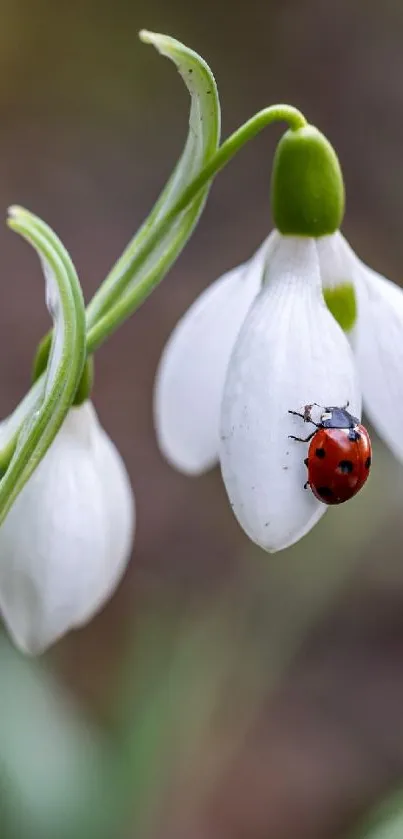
[{"x": 339, "y": 454}]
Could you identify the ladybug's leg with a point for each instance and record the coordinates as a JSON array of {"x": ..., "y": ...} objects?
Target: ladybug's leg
[
  {"x": 306, "y": 484},
  {"x": 305, "y": 416},
  {"x": 302, "y": 439}
]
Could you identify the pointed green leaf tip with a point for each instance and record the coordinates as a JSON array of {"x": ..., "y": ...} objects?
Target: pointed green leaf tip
[{"x": 307, "y": 189}]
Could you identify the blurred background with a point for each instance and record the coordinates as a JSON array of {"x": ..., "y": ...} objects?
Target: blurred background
[{"x": 223, "y": 693}]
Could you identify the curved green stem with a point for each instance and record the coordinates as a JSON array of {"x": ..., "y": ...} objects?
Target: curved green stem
[{"x": 125, "y": 305}]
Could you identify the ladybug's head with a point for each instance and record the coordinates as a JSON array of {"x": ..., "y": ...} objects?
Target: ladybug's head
[{"x": 334, "y": 417}]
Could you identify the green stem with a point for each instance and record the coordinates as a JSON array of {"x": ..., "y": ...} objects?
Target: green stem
[
  {"x": 112, "y": 292},
  {"x": 120, "y": 307}
]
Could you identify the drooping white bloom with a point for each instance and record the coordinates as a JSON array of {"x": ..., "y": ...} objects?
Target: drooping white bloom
[
  {"x": 66, "y": 541},
  {"x": 288, "y": 352}
]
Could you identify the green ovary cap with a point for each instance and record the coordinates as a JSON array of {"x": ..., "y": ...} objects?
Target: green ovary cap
[
  {"x": 41, "y": 357},
  {"x": 341, "y": 302},
  {"x": 86, "y": 384},
  {"x": 307, "y": 189}
]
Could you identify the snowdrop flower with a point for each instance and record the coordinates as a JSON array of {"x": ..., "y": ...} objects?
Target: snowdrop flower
[
  {"x": 66, "y": 541},
  {"x": 261, "y": 341},
  {"x": 66, "y": 505}
]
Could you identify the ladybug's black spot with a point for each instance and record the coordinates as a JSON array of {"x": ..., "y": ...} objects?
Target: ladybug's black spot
[
  {"x": 345, "y": 466},
  {"x": 368, "y": 463},
  {"x": 325, "y": 492},
  {"x": 320, "y": 453}
]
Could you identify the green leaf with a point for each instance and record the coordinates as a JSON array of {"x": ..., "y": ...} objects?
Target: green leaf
[
  {"x": 384, "y": 822},
  {"x": 54, "y": 779},
  {"x": 44, "y": 409},
  {"x": 153, "y": 250}
]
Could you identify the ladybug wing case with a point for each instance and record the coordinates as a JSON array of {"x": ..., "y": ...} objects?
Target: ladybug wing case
[{"x": 337, "y": 465}]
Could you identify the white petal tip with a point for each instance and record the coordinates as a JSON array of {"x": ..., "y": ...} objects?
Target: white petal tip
[{"x": 184, "y": 460}]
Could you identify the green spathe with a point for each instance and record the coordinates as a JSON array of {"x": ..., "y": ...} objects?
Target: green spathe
[
  {"x": 307, "y": 190},
  {"x": 341, "y": 302}
]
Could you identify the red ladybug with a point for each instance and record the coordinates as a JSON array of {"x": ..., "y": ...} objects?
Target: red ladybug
[{"x": 339, "y": 455}]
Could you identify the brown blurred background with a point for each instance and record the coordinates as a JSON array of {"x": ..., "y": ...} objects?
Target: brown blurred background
[{"x": 288, "y": 720}]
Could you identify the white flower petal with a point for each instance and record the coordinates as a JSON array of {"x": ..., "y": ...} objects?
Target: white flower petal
[
  {"x": 191, "y": 373},
  {"x": 377, "y": 339},
  {"x": 118, "y": 501},
  {"x": 378, "y": 345},
  {"x": 290, "y": 352},
  {"x": 66, "y": 540},
  {"x": 336, "y": 260}
]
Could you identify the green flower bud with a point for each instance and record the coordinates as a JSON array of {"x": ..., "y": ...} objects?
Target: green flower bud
[{"x": 307, "y": 190}]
